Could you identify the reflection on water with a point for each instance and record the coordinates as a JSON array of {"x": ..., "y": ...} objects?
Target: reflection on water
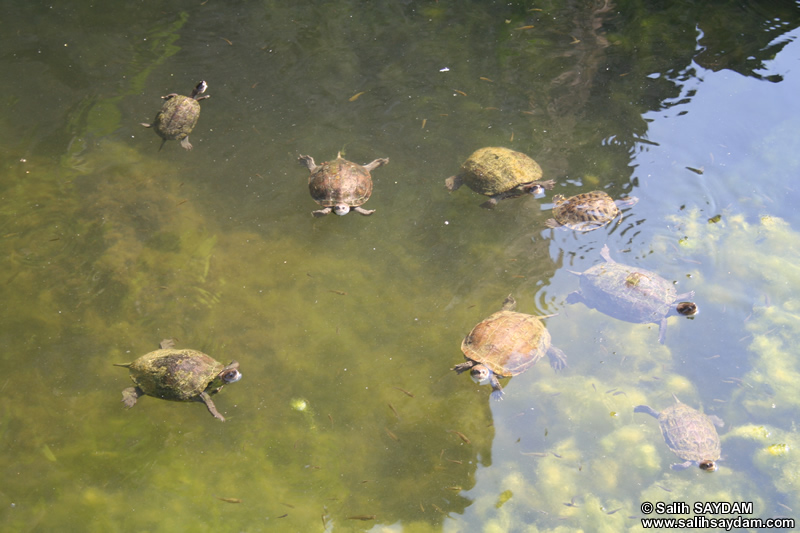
[{"x": 348, "y": 415}]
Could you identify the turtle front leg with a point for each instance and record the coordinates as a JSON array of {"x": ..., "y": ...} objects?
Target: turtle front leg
[
  {"x": 308, "y": 161},
  {"x": 453, "y": 182},
  {"x": 205, "y": 398},
  {"x": 361, "y": 211},
  {"x": 186, "y": 144},
  {"x": 322, "y": 212},
  {"x": 558, "y": 359},
  {"x": 377, "y": 163},
  {"x": 497, "y": 390},
  {"x": 662, "y": 330},
  {"x": 463, "y": 367},
  {"x": 130, "y": 395}
]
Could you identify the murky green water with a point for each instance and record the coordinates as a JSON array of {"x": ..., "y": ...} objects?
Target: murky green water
[{"x": 346, "y": 327}]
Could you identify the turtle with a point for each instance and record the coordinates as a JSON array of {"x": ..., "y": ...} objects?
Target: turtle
[
  {"x": 499, "y": 173},
  {"x": 506, "y": 344},
  {"x": 178, "y": 375},
  {"x": 690, "y": 434},
  {"x": 586, "y": 211},
  {"x": 631, "y": 294},
  {"x": 340, "y": 185},
  {"x": 178, "y": 116}
]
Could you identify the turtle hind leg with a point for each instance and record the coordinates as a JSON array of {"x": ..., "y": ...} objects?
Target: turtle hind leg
[
  {"x": 361, "y": 211},
  {"x": 205, "y": 398},
  {"x": 130, "y": 395},
  {"x": 491, "y": 203},
  {"x": 185, "y": 143},
  {"x": 463, "y": 367}
]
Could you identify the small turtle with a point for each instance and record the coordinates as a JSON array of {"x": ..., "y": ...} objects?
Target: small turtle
[
  {"x": 178, "y": 116},
  {"x": 340, "y": 185},
  {"x": 499, "y": 173},
  {"x": 587, "y": 211},
  {"x": 690, "y": 434},
  {"x": 506, "y": 344},
  {"x": 631, "y": 294},
  {"x": 179, "y": 376}
]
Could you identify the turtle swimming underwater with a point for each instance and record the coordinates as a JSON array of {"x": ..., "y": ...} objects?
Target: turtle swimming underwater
[
  {"x": 340, "y": 185},
  {"x": 179, "y": 376},
  {"x": 499, "y": 173},
  {"x": 586, "y": 211},
  {"x": 506, "y": 344},
  {"x": 178, "y": 116},
  {"x": 631, "y": 294},
  {"x": 690, "y": 434}
]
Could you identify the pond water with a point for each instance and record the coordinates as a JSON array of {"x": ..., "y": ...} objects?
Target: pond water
[{"x": 348, "y": 417}]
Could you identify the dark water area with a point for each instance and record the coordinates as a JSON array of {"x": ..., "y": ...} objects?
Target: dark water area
[{"x": 348, "y": 416}]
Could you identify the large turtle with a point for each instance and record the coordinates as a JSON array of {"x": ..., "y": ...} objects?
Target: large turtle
[
  {"x": 340, "y": 185},
  {"x": 506, "y": 344},
  {"x": 499, "y": 173},
  {"x": 690, "y": 434},
  {"x": 178, "y": 116},
  {"x": 179, "y": 376},
  {"x": 586, "y": 211},
  {"x": 631, "y": 294}
]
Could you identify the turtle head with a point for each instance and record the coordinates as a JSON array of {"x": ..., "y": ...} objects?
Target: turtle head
[
  {"x": 480, "y": 374},
  {"x": 341, "y": 210},
  {"x": 230, "y": 374},
  {"x": 708, "y": 466},
  {"x": 199, "y": 89},
  {"x": 687, "y": 308}
]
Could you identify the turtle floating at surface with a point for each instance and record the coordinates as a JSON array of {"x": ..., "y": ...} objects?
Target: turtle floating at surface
[
  {"x": 506, "y": 344},
  {"x": 340, "y": 185},
  {"x": 499, "y": 173},
  {"x": 178, "y": 116},
  {"x": 631, "y": 294},
  {"x": 586, "y": 211},
  {"x": 179, "y": 376}
]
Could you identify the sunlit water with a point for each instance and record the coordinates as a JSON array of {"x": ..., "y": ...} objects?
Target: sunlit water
[{"x": 348, "y": 416}]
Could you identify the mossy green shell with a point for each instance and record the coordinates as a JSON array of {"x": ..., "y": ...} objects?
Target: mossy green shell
[
  {"x": 507, "y": 342},
  {"x": 177, "y": 118},
  {"x": 495, "y": 170},
  {"x": 177, "y": 375}
]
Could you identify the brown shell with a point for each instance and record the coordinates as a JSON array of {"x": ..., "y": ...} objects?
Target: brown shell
[
  {"x": 340, "y": 182},
  {"x": 172, "y": 374},
  {"x": 177, "y": 118},
  {"x": 584, "y": 212},
  {"x": 690, "y": 434},
  {"x": 507, "y": 342},
  {"x": 495, "y": 170}
]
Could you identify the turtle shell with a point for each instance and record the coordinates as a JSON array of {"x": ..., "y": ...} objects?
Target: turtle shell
[
  {"x": 584, "y": 212},
  {"x": 172, "y": 374},
  {"x": 690, "y": 434},
  {"x": 340, "y": 182},
  {"x": 177, "y": 118},
  {"x": 507, "y": 342},
  {"x": 495, "y": 170},
  {"x": 627, "y": 293}
]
